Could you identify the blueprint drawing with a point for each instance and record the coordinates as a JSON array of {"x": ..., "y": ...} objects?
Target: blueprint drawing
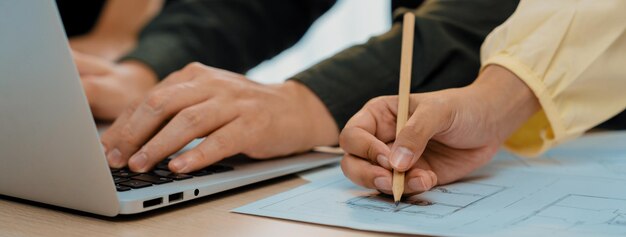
[{"x": 575, "y": 190}]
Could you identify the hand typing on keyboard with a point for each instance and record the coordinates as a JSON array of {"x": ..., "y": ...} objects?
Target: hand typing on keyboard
[
  {"x": 126, "y": 180},
  {"x": 235, "y": 115}
]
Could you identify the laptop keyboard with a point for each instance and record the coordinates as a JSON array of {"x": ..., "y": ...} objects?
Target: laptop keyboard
[{"x": 126, "y": 180}]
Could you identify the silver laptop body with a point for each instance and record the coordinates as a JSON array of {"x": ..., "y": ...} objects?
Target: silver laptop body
[{"x": 49, "y": 146}]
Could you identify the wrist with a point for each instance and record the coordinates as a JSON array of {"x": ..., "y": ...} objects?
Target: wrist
[
  {"x": 510, "y": 101},
  {"x": 318, "y": 125}
]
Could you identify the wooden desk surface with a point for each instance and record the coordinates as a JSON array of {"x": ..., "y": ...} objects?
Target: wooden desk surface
[{"x": 208, "y": 216}]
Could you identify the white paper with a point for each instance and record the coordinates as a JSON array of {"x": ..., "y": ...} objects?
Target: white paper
[
  {"x": 576, "y": 190},
  {"x": 597, "y": 155}
]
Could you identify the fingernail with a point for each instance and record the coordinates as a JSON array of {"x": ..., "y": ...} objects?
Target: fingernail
[
  {"x": 401, "y": 158},
  {"x": 178, "y": 165},
  {"x": 138, "y": 161},
  {"x": 383, "y": 161},
  {"x": 104, "y": 148},
  {"x": 114, "y": 157},
  {"x": 417, "y": 184},
  {"x": 383, "y": 183}
]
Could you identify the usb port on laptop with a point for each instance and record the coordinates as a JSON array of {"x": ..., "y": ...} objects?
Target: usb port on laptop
[
  {"x": 152, "y": 202},
  {"x": 175, "y": 197}
]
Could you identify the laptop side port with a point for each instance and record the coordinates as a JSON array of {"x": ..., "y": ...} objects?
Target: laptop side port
[
  {"x": 175, "y": 197},
  {"x": 152, "y": 202}
]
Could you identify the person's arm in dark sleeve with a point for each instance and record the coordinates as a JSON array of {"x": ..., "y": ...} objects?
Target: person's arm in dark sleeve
[
  {"x": 235, "y": 35},
  {"x": 448, "y": 35}
]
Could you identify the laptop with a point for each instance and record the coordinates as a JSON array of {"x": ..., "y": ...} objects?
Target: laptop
[{"x": 49, "y": 146}]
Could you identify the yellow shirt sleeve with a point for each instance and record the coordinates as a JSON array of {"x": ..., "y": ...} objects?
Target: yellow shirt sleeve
[{"x": 572, "y": 55}]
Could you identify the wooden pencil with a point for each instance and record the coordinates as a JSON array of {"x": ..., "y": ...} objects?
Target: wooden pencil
[{"x": 406, "y": 60}]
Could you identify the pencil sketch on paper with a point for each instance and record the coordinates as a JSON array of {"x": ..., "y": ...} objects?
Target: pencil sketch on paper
[
  {"x": 578, "y": 213},
  {"x": 436, "y": 203},
  {"x": 615, "y": 166},
  {"x": 572, "y": 191}
]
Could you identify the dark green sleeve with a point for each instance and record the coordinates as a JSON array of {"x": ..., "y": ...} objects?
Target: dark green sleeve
[
  {"x": 448, "y": 35},
  {"x": 230, "y": 34}
]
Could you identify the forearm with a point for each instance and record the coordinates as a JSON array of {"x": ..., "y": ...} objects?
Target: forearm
[
  {"x": 442, "y": 59},
  {"x": 578, "y": 82},
  {"x": 346, "y": 81}
]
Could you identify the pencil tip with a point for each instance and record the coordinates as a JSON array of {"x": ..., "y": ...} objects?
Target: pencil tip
[{"x": 396, "y": 208}]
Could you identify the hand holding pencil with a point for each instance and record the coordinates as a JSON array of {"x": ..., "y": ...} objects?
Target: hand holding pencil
[{"x": 448, "y": 134}]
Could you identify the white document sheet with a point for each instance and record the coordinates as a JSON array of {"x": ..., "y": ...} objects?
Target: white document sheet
[{"x": 578, "y": 189}]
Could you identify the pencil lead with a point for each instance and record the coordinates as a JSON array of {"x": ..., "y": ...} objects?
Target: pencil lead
[{"x": 396, "y": 208}]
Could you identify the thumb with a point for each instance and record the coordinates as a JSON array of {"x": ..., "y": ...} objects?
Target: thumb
[{"x": 425, "y": 122}]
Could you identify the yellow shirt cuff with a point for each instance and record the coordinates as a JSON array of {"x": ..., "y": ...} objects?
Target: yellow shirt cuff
[{"x": 545, "y": 128}]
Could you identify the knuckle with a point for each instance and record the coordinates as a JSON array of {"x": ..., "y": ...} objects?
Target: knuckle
[
  {"x": 222, "y": 142},
  {"x": 375, "y": 101},
  {"x": 193, "y": 68},
  {"x": 132, "y": 107},
  {"x": 173, "y": 76},
  {"x": 190, "y": 66},
  {"x": 155, "y": 102},
  {"x": 409, "y": 136},
  {"x": 191, "y": 117},
  {"x": 384, "y": 100},
  {"x": 410, "y": 132},
  {"x": 153, "y": 149},
  {"x": 195, "y": 65},
  {"x": 381, "y": 105},
  {"x": 127, "y": 135}
]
